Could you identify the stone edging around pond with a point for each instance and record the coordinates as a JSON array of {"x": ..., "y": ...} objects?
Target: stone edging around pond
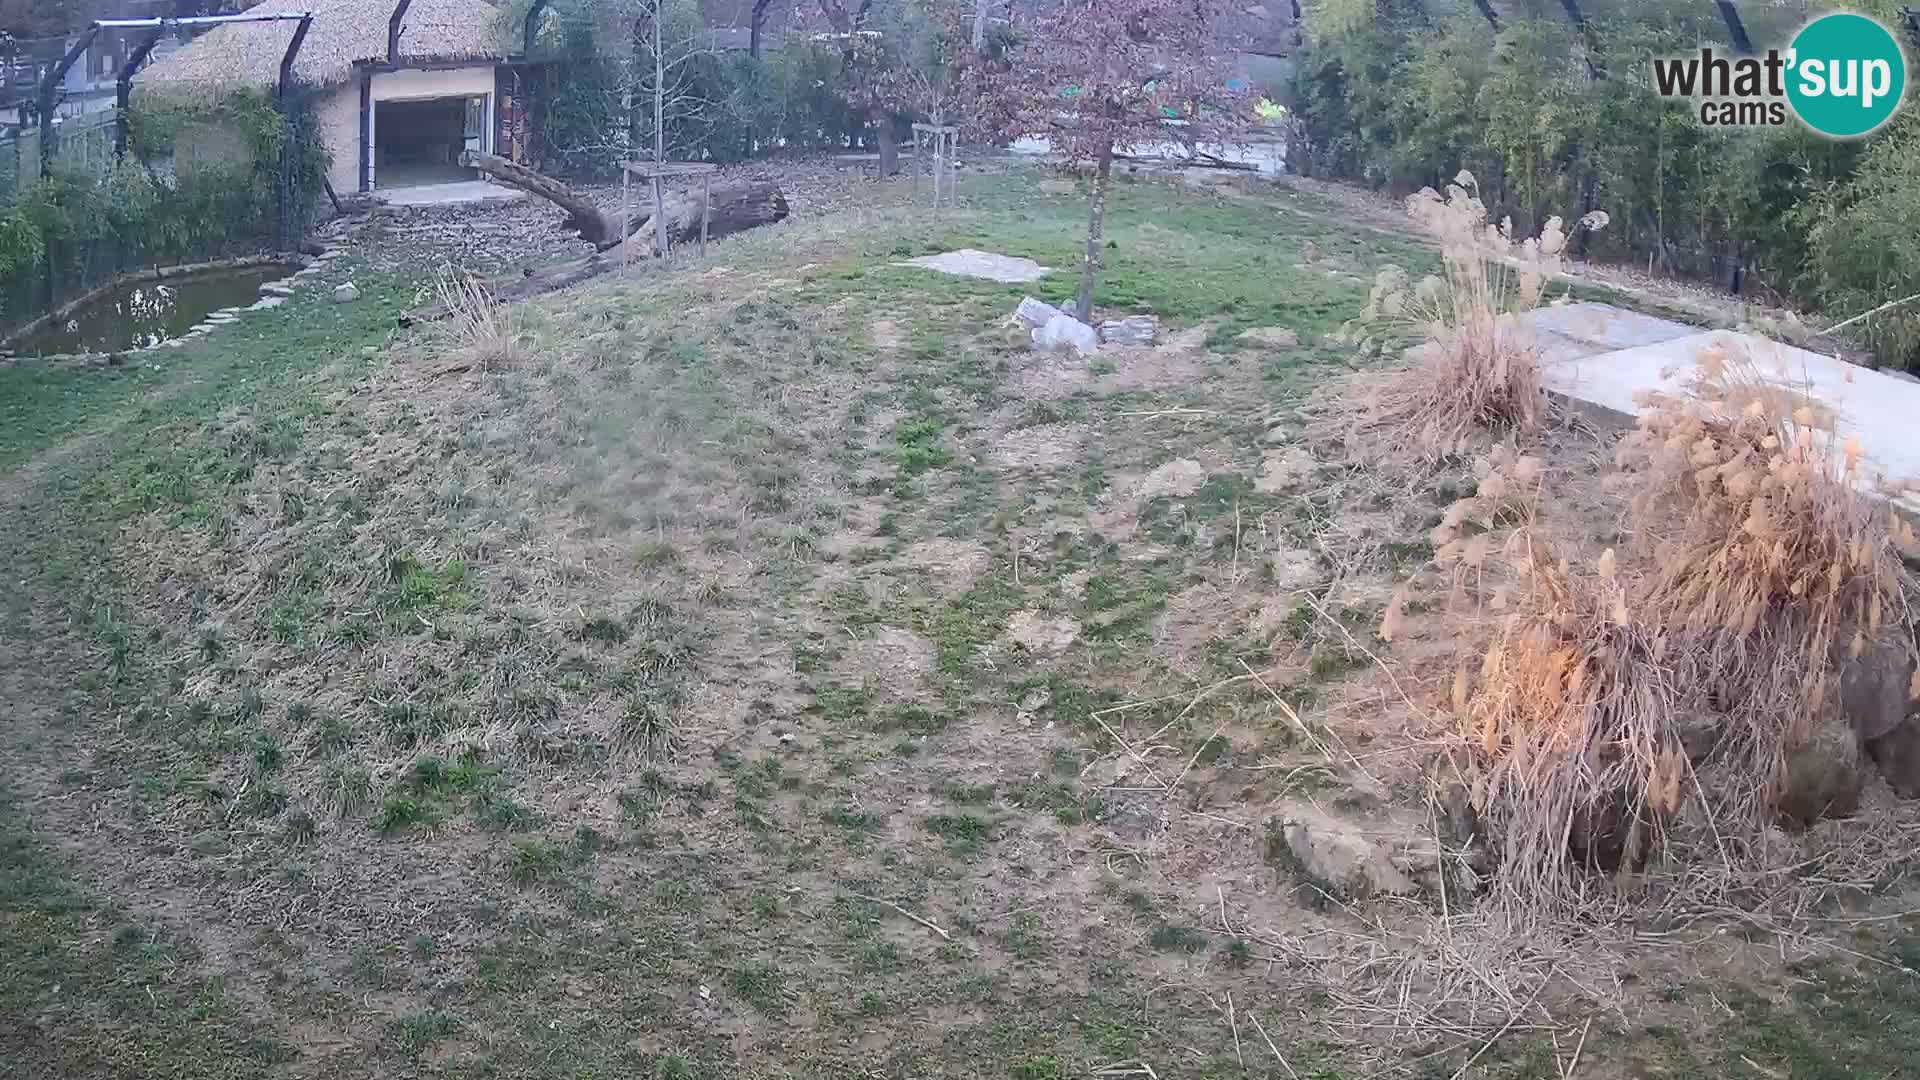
[{"x": 272, "y": 295}]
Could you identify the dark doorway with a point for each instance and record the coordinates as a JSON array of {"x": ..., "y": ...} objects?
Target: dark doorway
[{"x": 420, "y": 142}]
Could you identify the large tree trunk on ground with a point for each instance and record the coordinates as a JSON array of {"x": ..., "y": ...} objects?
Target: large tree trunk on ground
[
  {"x": 737, "y": 205},
  {"x": 583, "y": 216},
  {"x": 1096, "y": 238}
]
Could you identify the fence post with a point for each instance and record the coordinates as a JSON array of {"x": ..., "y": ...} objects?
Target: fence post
[{"x": 288, "y": 144}]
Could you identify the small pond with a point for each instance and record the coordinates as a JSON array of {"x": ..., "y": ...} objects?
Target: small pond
[{"x": 144, "y": 313}]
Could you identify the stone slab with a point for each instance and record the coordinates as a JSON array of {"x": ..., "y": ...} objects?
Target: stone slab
[
  {"x": 454, "y": 194},
  {"x": 1879, "y": 409},
  {"x": 981, "y": 264},
  {"x": 1570, "y": 331}
]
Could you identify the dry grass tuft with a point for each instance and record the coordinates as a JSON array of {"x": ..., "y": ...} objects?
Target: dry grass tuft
[
  {"x": 1682, "y": 697},
  {"x": 484, "y": 331},
  {"x": 1477, "y": 368}
]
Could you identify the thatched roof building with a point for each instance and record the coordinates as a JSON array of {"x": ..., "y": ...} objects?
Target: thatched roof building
[{"x": 344, "y": 33}]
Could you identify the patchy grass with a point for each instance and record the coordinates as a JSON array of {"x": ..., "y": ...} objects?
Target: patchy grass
[
  {"x": 109, "y": 995},
  {"x": 571, "y": 697}
]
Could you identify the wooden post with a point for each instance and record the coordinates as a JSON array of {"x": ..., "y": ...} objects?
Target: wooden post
[
  {"x": 657, "y": 173},
  {"x": 660, "y": 239},
  {"x": 706, "y": 210}
]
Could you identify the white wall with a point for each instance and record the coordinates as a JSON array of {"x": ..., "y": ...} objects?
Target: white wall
[
  {"x": 339, "y": 112},
  {"x": 451, "y": 82},
  {"x": 338, "y": 115}
]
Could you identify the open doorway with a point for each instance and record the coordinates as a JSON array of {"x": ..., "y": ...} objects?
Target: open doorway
[{"x": 419, "y": 141}]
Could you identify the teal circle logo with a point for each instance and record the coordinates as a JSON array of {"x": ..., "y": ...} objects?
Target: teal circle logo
[{"x": 1846, "y": 74}]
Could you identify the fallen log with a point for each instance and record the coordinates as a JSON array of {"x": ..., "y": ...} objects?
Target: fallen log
[
  {"x": 735, "y": 206},
  {"x": 584, "y": 216}
]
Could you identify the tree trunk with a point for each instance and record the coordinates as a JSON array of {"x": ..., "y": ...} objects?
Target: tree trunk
[
  {"x": 1096, "y": 228},
  {"x": 737, "y": 205},
  {"x": 583, "y": 216},
  {"x": 759, "y": 24},
  {"x": 889, "y": 146}
]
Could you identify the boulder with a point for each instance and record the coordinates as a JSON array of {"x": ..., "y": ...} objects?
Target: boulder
[
  {"x": 1340, "y": 859},
  {"x": 1874, "y": 690},
  {"x": 1035, "y": 313},
  {"x": 346, "y": 294},
  {"x": 1897, "y": 754},
  {"x": 1064, "y": 332},
  {"x": 1132, "y": 330}
]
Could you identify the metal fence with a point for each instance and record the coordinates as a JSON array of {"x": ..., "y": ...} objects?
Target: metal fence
[
  {"x": 86, "y": 145},
  {"x": 193, "y": 216}
]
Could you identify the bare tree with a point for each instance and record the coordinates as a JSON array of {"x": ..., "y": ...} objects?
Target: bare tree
[
  {"x": 1098, "y": 76},
  {"x": 654, "y": 104}
]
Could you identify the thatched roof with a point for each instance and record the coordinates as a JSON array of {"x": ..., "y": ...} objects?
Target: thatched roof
[{"x": 344, "y": 31}]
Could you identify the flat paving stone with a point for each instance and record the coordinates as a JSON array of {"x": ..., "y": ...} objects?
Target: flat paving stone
[
  {"x": 1569, "y": 331},
  {"x": 968, "y": 262},
  {"x": 1876, "y": 408}
]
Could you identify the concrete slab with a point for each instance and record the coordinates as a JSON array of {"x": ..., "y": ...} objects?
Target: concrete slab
[
  {"x": 1571, "y": 331},
  {"x": 455, "y": 194},
  {"x": 981, "y": 264},
  {"x": 1877, "y": 408}
]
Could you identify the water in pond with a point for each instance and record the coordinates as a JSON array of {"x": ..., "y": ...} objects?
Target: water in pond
[{"x": 143, "y": 313}]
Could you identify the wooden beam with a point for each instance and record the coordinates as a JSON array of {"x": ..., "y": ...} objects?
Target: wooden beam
[{"x": 393, "y": 28}]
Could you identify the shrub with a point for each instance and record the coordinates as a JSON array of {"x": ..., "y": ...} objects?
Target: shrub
[{"x": 1863, "y": 246}]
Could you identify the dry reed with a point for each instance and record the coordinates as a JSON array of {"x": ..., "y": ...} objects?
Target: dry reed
[
  {"x": 1681, "y": 696},
  {"x": 486, "y": 332},
  {"x": 1476, "y": 366}
]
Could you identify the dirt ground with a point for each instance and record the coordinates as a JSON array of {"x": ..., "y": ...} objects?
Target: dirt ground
[{"x": 775, "y": 668}]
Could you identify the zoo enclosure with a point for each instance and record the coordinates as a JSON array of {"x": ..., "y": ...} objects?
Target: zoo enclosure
[{"x": 88, "y": 196}]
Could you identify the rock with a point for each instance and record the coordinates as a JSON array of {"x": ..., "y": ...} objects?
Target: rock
[
  {"x": 1065, "y": 331},
  {"x": 1823, "y": 779},
  {"x": 1339, "y": 859},
  {"x": 275, "y": 288},
  {"x": 1035, "y": 313},
  {"x": 1897, "y": 754},
  {"x": 1874, "y": 690},
  {"x": 789, "y": 739},
  {"x": 346, "y": 294},
  {"x": 1132, "y": 330},
  {"x": 1281, "y": 470},
  {"x": 1462, "y": 822},
  {"x": 993, "y": 266},
  {"x": 1278, "y": 337},
  {"x": 267, "y": 303}
]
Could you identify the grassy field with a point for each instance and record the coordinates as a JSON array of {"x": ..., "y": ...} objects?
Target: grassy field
[{"x": 770, "y": 668}]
